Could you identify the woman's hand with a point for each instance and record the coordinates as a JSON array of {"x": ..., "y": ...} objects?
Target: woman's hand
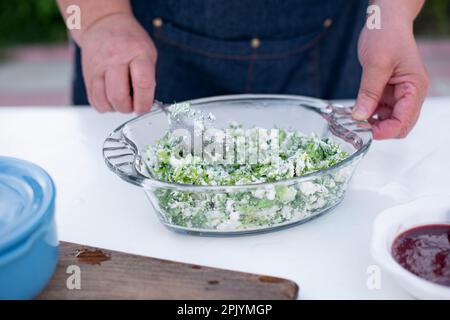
[
  {"x": 394, "y": 81},
  {"x": 118, "y": 61}
]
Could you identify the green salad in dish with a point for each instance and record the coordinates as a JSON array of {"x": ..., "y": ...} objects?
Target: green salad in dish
[{"x": 271, "y": 195}]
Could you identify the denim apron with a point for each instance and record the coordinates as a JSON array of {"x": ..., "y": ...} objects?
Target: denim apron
[{"x": 215, "y": 47}]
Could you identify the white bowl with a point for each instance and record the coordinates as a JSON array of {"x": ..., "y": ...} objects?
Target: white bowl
[{"x": 392, "y": 222}]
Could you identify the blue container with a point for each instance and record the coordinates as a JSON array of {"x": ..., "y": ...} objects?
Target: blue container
[{"x": 28, "y": 240}]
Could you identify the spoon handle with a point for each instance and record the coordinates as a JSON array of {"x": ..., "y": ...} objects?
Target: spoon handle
[{"x": 163, "y": 106}]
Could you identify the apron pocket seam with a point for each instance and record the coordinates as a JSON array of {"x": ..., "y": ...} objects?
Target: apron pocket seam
[{"x": 253, "y": 54}]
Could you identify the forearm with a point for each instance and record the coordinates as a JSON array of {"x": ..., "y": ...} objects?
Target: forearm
[
  {"x": 93, "y": 11},
  {"x": 395, "y": 9}
]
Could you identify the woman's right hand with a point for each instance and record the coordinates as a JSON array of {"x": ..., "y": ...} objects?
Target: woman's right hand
[{"x": 118, "y": 62}]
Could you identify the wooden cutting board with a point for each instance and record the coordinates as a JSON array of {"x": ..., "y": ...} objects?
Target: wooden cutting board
[{"x": 105, "y": 274}]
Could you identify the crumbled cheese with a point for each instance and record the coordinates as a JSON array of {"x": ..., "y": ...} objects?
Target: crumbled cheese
[{"x": 258, "y": 207}]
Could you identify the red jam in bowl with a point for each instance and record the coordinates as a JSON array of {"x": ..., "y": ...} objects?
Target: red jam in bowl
[{"x": 425, "y": 251}]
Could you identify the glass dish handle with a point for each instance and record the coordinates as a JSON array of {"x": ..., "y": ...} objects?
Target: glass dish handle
[{"x": 344, "y": 126}]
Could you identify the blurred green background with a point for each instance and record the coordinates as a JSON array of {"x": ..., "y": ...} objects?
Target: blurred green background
[
  {"x": 38, "y": 21},
  {"x": 30, "y": 21}
]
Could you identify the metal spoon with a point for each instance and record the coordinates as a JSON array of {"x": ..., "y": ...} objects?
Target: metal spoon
[
  {"x": 180, "y": 115},
  {"x": 185, "y": 121}
]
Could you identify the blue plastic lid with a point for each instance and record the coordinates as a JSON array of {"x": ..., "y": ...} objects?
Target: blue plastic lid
[{"x": 27, "y": 196}]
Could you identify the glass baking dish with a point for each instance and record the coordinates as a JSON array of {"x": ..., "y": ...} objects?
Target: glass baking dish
[{"x": 212, "y": 210}]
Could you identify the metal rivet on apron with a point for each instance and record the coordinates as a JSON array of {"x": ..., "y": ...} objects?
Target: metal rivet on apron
[
  {"x": 255, "y": 43},
  {"x": 327, "y": 23},
  {"x": 157, "y": 22}
]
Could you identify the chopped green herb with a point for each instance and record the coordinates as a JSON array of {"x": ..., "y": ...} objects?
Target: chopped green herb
[{"x": 257, "y": 207}]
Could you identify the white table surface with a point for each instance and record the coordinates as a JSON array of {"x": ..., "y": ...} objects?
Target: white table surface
[{"x": 328, "y": 257}]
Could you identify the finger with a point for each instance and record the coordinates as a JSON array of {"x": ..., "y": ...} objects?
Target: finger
[
  {"x": 142, "y": 71},
  {"x": 117, "y": 80},
  {"x": 101, "y": 103},
  {"x": 87, "y": 78},
  {"x": 373, "y": 83},
  {"x": 90, "y": 94},
  {"x": 403, "y": 118},
  {"x": 89, "y": 85},
  {"x": 384, "y": 112},
  {"x": 380, "y": 115},
  {"x": 386, "y": 129}
]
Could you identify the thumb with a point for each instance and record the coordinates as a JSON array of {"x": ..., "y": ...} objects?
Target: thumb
[{"x": 373, "y": 82}]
